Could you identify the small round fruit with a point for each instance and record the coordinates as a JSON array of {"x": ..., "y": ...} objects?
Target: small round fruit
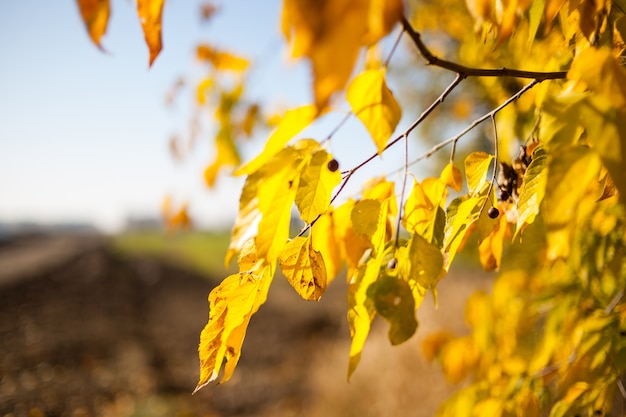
[
  {"x": 493, "y": 213},
  {"x": 392, "y": 264},
  {"x": 504, "y": 195},
  {"x": 333, "y": 165}
]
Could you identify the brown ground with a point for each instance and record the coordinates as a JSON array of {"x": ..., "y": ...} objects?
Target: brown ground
[{"x": 86, "y": 332}]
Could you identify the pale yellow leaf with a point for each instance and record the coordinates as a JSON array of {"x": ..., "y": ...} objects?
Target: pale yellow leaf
[
  {"x": 476, "y": 167},
  {"x": 226, "y": 155},
  {"x": 150, "y": 13},
  {"x": 602, "y": 73},
  {"x": 304, "y": 268},
  {"x": 95, "y": 15},
  {"x": 533, "y": 189},
  {"x": 461, "y": 214},
  {"x": 290, "y": 125},
  {"x": 316, "y": 185},
  {"x": 375, "y": 106},
  {"x": 369, "y": 220},
  {"x": 353, "y": 246},
  {"x": 326, "y": 240},
  {"x": 426, "y": 262}
]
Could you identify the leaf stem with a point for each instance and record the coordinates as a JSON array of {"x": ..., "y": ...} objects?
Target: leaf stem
[
  {"x": 495, "y": 165},
  {"x": 404, "y": 177}
]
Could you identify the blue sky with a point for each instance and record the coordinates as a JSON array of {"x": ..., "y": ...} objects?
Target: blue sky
[{"x": 83, "y": 134}]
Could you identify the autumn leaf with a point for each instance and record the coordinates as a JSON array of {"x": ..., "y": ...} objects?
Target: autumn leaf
[
  {"x": 451, "y": 176},
  {"x": 491, "y": 247},
  {"x": 361, "y": 308},
  {"x": 394, "y": 301},
  {"x": 304, "y": 268},
  {"x": 602, "y": 73},
  {"x": 375, "y": 106},
  {"x": 232, "y": 303},
  {"x": 476, "y": 167},
  {"x": 95, "y": 15},
  {"x": 290, "y": 125},
  {"x": 221, "y": 60},
  {"x": 316, "y": 185},
  {"x": 325, "y": 238},
  {"x": 352, "y": 246},
  {"x": 460, "y": 215},
  {"x": 226, "y": 155},
  {"x": 423, "y": 210},
  {"x": 369, "y": 221},
  {"x": 150, "y": 13},
  {"x": 426, "y": 262},
  {"x": 533, "y": 189}
]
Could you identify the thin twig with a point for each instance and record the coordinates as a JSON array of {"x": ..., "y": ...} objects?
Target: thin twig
[
  {"x": 495, "y": 165},
  {"x": 393, "y": 48},
  {"x": 475, "y": 72},
  {"x": 404, "y": 177},
  {"x": 475, "y": 123}
]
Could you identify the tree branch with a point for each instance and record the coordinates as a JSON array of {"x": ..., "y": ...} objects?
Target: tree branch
[{"x": 475, "y": 72}]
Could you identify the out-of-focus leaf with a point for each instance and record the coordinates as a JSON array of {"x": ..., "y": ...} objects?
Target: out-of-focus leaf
[
  {"x": 491, "y": 247},
  {"x": 452, "y": 177},
  {"x": 221, "y": 60},
  {"x": 316, "y": 185},
  {"x": 291, "y": 124},
  {"x": 232, "y": 303},
  {"x": 250, "y": 119},
  {"x": 304, "y": 268},
  {"x": 533, "y": 189},
  {"x": 602, "y": 73},
  {"x": 375, "y": 106},
  {"x": 394, "y": 301},
  {"x": 150, "y": 12},
  {"x": 476, "y": 167},
  {"x": 226, "y": 155},
  {"x": 95, "y": 15}
]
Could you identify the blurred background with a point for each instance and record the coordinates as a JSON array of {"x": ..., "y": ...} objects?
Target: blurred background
[{"x": 100, "y": 308}]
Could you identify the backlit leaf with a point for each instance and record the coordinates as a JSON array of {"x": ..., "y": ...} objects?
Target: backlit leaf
[
  {"x": 226, "y": 156},
  {"x": 248, "y": 216},
  {"x": 232, "y": 303},
  {"x": 326, "y": 240},
  {"x": 451, "y": 176},
  {"x": 426, "y": 262},
  {"x": 304, "y": 268},
  {"x": 491, "y": 247},
  {"x": 353, "y": 246},
  {"x": 95, "y": 15},
  {"x": 290, "y": 125},
  {"x": 369, "y": 220},
  {"x": 374, "y": 104},
  {"x": 316, "y": 185},
  {"x": 150, "y": 12},
  {"x": 602, "y": 73},
  {"x": 361, "y": 308},
  {"x": 476, "y": 167},
  {"x": 461, "y": 213},
  {"x": 221, "y": 60},
  {"x": 533, "y": 189}
]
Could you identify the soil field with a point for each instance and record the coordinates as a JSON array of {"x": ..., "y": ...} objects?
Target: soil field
[{"x": 85, "y": 331}]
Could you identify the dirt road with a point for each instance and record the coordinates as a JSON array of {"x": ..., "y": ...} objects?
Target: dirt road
[{"x": 86, "y": 332}]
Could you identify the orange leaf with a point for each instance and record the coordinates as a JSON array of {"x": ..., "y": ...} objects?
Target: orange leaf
[
  {"x": 150, "y": 12},
  {"x": 95, "y": 14}
]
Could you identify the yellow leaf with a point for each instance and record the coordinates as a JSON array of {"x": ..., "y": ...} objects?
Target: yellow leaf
[
  {"x": 461, "y": 214},
  {"x": 361, "y": 310},
  {"x": 352, "y": 246},
  {"x": 374, "y": 104},
  {"x": 95, "y": 15},
  {"x": 476, "y": 167},
  {"x": 382, "y": 16},
  {"x": 277, "y": 188},
  {"x": 248, "y": 216},
  {"x": 369, "y": 220},
  {"x": 249, "y": 120},
  {"x": 201, "y": 90},
  {"x": 226, "y": 155},
  {"x": 325, "y": 239},
  {"x": 434, "y": 343},
  {"x": 232, "y": 303},
  {"x": 304, "y": 268},
  {"x": 291, "y": 124},
  {"x": 491, "y": 247},
  {"x": 489, "y": 407},
  {"x": 533, "y": 189},
  {"x": 451, "y": 176},
  {"x": 316, "y": 185},
  {"x": 423, "y": 213},
  {"x": 426, "y": 262},
  {"x": 150, "y": 12},
  {"x": 224, "y": 61},
  {"x": 602, "y": 73}
]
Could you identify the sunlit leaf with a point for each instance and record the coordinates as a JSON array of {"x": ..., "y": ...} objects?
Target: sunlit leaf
[
  {"x": 248, "y": 216},
  {"x": 326, "y": 240},
  {"x": 374, "y": 104},
  {"x": 150, "y": 12},
  {"x": 491, "y": 247},
  {"x": 452, "y": 177},
  {"x": 460, "y": 215},
  {"x": 304, "y": 268},
  {"x": 369, "y": 220},
  {"x": 226, "y": 156},
  {"x": 232, "y": 303},
  {"x": 533, "y": 189},
  {"x": 316, "y": 185},
  {"x": 221, "y": 60},
  {"x": 476, "y": 167},
  {"x": 602, "y": 73},
  {"x": 290, "y": 125},
  {"x": 353, "y": 246},
  {"x": 95, "y": 15}
]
